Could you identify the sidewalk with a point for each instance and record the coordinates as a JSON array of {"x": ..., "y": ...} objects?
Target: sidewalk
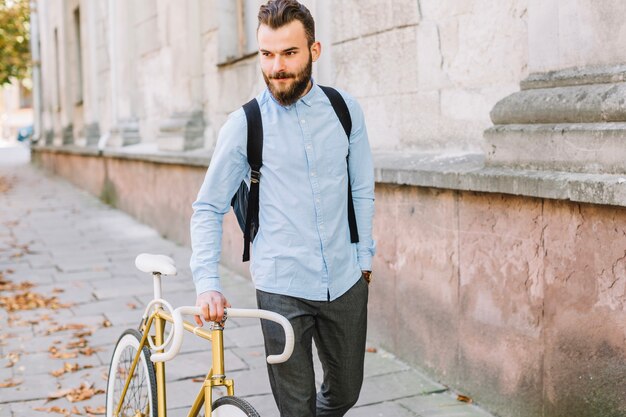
[{"x": 73, "y": 247}]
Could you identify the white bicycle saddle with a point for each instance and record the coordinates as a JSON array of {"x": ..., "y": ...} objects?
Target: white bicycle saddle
[{"x": 150, "y": 263}]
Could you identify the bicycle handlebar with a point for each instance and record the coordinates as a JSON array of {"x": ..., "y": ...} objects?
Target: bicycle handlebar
[{"x": 178, "y": 330}]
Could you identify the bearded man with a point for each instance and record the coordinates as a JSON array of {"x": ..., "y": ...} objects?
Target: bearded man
[{"x": 305, "y": 264}]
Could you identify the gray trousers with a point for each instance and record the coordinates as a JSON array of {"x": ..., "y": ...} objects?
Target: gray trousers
[{"x": 339, "y": 329}]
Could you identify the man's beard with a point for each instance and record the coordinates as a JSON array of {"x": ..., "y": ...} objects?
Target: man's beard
[{"x": 293, "y": 92}]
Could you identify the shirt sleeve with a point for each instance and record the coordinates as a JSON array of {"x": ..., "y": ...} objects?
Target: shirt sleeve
[
  {"x": 361, "y": 168},
  {"x": 228, "y": 167}
]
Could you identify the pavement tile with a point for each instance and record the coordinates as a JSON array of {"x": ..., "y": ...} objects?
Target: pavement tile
[
  {"x": 32, "y": 387},
  {"x": 441, "y": 405},
  {"x": 42, "y": 363},
  {"x": 119, "y": 304},
  {"x": 82, "y": 276},
  {"x": 386, "y": 409},
  {"x": 396, "y": 385}
]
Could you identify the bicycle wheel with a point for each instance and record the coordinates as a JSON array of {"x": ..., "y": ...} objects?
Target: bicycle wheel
[
  {"x": 233, "y": 407},
  {"x": 141, "y": 397}
]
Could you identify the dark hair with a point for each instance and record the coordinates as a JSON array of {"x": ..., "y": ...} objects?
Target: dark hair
[{"x": 278, "y": 13}]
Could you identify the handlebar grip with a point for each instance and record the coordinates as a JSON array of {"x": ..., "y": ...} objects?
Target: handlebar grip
[
  {"x": 178, "y": 329},
  {"x": 275, "y": 317}
]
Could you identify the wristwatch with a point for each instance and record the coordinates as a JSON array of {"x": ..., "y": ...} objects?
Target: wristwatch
[{"x": 367, "y": 276}]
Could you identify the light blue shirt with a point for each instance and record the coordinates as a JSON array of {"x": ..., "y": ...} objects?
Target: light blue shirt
[{"x": 302, "y": 248}]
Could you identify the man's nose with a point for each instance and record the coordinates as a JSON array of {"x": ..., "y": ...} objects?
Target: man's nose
[{"x": 278, "y": 64}]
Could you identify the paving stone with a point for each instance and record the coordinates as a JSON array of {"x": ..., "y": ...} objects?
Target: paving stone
[
  {"x": 386, "y": 409},
  {"x": 33, "y": 387},
  {"x": 42, "y": 363},
  {"x": 244, "y": 336},
  {"x": 263, "y": 404},
  {"x": 254, "y": 357},
  {"x": 394, "y": 386},
  {"x": 82, "y": 276},
  {"x": 124, "y": 318},
  {"x": 381, "y": 363},
  {"x": 441, "y": 405}
]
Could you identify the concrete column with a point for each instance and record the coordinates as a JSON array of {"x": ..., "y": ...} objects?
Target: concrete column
[
  {"x": 91, "y": 85},
  {"x": 184, "y": 129},
  {"x": 570, "y": 114},
  {"x": 124, "y": 123}
]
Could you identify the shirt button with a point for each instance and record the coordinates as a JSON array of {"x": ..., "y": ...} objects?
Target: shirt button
[
  {"x": 308, "y": 147},
  {"x": 313, "y": 173},
  {"x": 303, "y": 121}
]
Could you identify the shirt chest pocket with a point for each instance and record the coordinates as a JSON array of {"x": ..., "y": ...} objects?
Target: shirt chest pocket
[{"x": 333, "y": 157}]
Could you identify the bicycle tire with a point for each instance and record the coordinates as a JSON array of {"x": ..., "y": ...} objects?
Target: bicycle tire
[
  {"x": 233, "y": 407},
  {"x": 141, "y": 396}
]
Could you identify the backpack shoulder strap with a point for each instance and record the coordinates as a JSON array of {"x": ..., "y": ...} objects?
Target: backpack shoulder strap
[
  {"x": 255, "y": 134},
  {"x": 343, "y": 113},
  {"x": 255, "y": 159},
  {"x": 340, "y": 107}
]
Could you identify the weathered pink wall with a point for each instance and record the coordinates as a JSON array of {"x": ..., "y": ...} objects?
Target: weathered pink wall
[{"x": 517, "y": 302}]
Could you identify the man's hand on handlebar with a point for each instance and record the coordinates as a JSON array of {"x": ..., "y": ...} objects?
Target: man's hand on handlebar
[{"x": 213, "y": 304}]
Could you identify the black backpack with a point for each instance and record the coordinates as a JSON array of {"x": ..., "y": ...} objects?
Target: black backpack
[{"x": 245, "y": 202}]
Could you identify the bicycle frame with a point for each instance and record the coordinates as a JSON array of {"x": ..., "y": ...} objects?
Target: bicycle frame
[{"x": 215, "y": 378}]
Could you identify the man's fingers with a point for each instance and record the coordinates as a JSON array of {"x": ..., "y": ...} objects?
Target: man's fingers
[
  {"x": 198, "y": 321},
  {"x": 219, "y": 316},
  {"x": 205, "y": 311}
]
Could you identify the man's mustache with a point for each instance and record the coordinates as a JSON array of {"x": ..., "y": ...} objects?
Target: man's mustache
[{"x": 281, "y": 75}]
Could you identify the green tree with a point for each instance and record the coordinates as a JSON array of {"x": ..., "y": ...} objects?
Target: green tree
[{"x": 14, "y": 40}]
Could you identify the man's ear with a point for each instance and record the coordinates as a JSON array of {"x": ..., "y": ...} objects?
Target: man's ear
[{"x": 316, "y": 51}]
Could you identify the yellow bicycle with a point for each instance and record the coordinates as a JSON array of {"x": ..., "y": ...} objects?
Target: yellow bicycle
[{"x": 136, "y": 379}]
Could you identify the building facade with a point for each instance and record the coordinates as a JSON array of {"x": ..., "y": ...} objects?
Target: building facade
[{"x": 498, "y": 132}]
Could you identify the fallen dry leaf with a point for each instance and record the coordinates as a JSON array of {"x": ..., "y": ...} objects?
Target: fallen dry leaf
[
  {"x": 96, "y": 411},
  {"x": 371, "y": 350},
  {"x": 27, "y": 300},
  {"x": 11, "y": 286},
  {"x": 8, "y": 383},
  {"x": 84, "y": 333},
  {"x": 88, "y": 351},
  {"x": 69, "y": 367},
  {"x": 62, "y": 328},
  {"x": 57, "y": 354},
  {"x": 82, "y": 393},
  {"x": 54, "y": 409},
  {"x": 13, "y": 358},
  {"x": 464, "y": 398},
  {"x": 106, "y": 323},
  {"x": 80, "y": 343}
]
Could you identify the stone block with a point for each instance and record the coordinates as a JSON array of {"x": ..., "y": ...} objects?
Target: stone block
[
  {"x": 427, "y": 287},
  {"x": 590, "y": 34},
  {"x": 501, "y": 301},
  {"x": 585, "y": 357},
  {"x": 382, "y": 301},
  {"x": 368, "y": 66},
  {"x": 595, "y": 148},
  {"x": 429, "y": 58}
]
